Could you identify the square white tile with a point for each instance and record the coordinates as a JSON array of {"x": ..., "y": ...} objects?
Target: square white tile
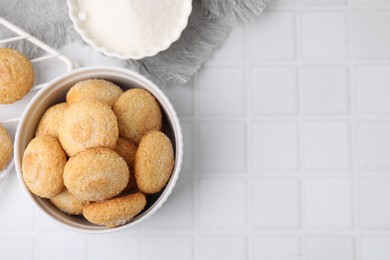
[
  {"x": 276, "y": 204},
  {"x": 324, "y": 35},
  {"x": 222, "y": 247},
  {"x": 373, "y": 146},
  {"x": 325, "y": 90},
  {"x": 274, "y": 91},
  {"x": 275, "y": 146},
  {"x": 222, "y": 204},
  {"x": 222, "y": 147},
  {"x": 168, "y": 247},
  {"x": 326, "y": 146},
  {"x": 371, "y": 34},
  {"x": 325, "y": 248},
  {"x": 118, "y": 247},
  {"x": 17, "y": 212},
  {"x": 181, "y": 97},
  {"x": 221, "y": 92},
  {"x": 63, "y": 246},
  {"x": 177, "y": 212},
  {"x": 276, "y": 248},
  {"x": 375, "y": 248},
  {"x": 17, "y": 246},
  {"x": 273, "y": 36},
  {"x": 328, "y": 203},
  {"x": 372, "y": 89},
  {"x": 374, "y": 206}
]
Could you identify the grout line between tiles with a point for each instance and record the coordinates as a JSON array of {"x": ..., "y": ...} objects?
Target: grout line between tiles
[
  {"x": 196, "y": 179},
  {"x": 353, "y": 141},
  {"x": 249, "y": 140},
  {"x": 301, "y": 151}
]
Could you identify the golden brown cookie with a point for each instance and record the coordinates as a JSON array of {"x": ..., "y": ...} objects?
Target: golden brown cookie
[
  {"x": 5, "y": 148},
  {"x": 115, "y": 212},
  {"x": 94, "y": 89},
  {"x": 127, "y": 151},
  {"x": 96, "y": 174},
  {"x": 68, "y": 203},
  {"x": 138, "y": 112},
  {"x": 88, "y": 124},
  {"x": 43, "y": 166},
  {"x": 154, "y": 162},
  {"x": 16, "y": 76},
  {"x": 51, "y": 120}
]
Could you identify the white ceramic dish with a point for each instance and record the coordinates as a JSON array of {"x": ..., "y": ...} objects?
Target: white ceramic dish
[
  {"x": 55, "y": 92},
  {"x": 77, "y": 16}
]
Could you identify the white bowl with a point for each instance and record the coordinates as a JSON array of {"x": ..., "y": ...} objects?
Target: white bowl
[
  {"x": 77, "y": 15},
  {"x": 55, "y": 92}
]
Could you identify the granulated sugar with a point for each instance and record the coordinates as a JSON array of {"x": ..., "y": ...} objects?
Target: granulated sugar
[{"x": 138, "y": 26}]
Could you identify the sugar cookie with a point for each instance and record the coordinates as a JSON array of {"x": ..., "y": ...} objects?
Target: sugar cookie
[
  {"x": 154, "y": 162},
  {"x": 94, "y": 89},
  {"x": 43, "y": 166},
  {"x": 96, "y": 174},
  {"x": 5, "y": 148},
  {"x": 16, "y": 75},
  {"x": 68, "y": 203},
  {"x": 138, "y": 112},
  {"x": 115, "y": 212},
  {"x": 51, "y": 120},
  {"x": 127, "y": 151},
  {"x": 88, "y": 124}
]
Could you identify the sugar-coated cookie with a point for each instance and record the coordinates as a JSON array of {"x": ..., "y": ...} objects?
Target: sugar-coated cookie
[
  {"x": 115, "y": 212},
  {"x": 16, "y": 75},
  {"x": 94, "y": 89},
  {"x": 96, "y": 174},
  {"x": 127, "y": 151},
  {"x": 5, "y": 148},
  {"x": 51, "y": 120},
  {"x": 68, "y": 203},
  {"x": 88, "y": 124},
  {"x": 154, "y": 162},
  {"x": 43, "y": 166},
  {"x": 138, "y": 112}
]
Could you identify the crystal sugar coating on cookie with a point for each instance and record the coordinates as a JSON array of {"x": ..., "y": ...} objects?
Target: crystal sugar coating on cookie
[
  {"x": 43, "y": 166},
  {"x": 94, "y": 89},
  {"x": 138, "y": 112},
  {"x": 96, "y": 174},
  {"x": 5, "y": 148},
  {"x": 88, "y": 124},
  {"x": 16, "y": 76}
]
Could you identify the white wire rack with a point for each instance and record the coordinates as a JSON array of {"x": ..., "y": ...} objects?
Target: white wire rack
[{"x": 10, "y": 114}]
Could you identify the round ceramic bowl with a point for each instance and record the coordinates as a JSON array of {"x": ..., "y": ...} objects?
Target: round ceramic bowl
[
  {"x": 54, "y": 93},
  {"x": 78, "y": 13}
]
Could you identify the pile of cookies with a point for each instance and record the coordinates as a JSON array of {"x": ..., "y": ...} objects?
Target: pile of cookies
[{"x": 99, "y": 153}]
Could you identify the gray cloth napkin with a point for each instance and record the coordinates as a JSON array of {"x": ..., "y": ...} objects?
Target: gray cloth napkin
[{"x": 209, "y": 25}]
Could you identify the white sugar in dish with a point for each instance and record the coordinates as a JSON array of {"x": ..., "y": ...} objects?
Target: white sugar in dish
[{"x": 130, "y": 28}]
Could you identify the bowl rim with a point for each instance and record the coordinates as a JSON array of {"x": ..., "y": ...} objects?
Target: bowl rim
[
  {"x": 72, "y": 6},
  {"x": 168, "y": 108}
]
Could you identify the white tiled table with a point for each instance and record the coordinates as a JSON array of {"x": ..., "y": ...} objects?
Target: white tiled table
[{"x": 287, "y": 149}]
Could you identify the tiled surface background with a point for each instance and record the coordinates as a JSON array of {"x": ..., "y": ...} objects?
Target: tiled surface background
[{"x": 287, "y": 147}]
